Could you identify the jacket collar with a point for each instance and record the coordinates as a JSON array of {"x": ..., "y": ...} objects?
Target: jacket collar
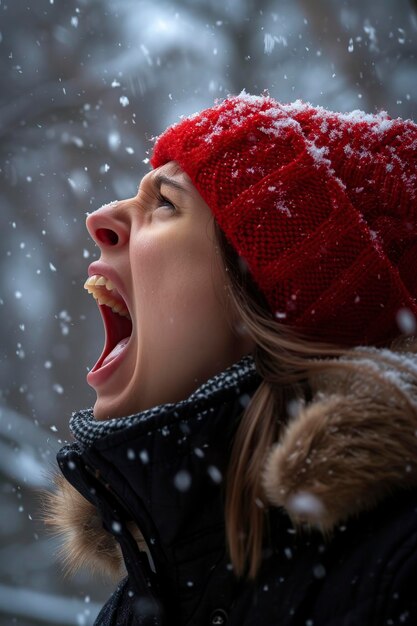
[
  {"x": 341, "y": 454},
  {"x": 157, "y": 476},
  {"x": 87, "y": 430}
]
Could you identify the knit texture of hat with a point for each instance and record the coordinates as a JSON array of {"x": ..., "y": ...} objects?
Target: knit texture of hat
[{"x": 322, "y": 206}]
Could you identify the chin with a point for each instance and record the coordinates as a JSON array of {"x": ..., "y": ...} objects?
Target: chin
[
  {"x": 105, "y": 410},
  {"x": 100, "y": 413},
  {"x": 122, "y": 405}
]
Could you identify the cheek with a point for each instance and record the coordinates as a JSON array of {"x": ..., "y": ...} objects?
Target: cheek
[{"x": 178, "y": 286}]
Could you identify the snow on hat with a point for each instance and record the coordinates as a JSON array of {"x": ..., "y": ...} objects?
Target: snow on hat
[{"x": 322, "y": 206}]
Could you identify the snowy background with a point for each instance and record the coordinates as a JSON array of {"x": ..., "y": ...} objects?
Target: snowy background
[{"x": 84, "y": 85}]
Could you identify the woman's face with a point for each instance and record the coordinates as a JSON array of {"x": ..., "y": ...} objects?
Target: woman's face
[{"x": 173, "y": 328}]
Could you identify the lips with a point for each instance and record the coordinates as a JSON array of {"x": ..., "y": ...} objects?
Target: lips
[{"x": 116, "y": 319}]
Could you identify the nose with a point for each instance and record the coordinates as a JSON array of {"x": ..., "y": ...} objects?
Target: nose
[{"x": 109, "y": 226}]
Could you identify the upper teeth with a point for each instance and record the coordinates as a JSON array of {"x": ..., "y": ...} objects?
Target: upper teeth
[{"x": 104, "y": 292}]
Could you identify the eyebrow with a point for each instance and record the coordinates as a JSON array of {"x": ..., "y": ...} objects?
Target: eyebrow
[{"x": 161, "y": 179}]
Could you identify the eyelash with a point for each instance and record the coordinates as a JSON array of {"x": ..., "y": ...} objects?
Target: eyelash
[{"x": 165, "y": 202}]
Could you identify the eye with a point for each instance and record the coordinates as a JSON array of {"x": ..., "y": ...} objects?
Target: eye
[{"x": 164, "y": 203}]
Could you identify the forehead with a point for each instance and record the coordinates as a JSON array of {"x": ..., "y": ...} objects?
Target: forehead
[{"x": 171, "y": 170}]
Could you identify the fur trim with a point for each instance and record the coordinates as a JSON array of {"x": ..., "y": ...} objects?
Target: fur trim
[
  {"x": 353, "y": 445},
  {"x": 85, "y": 543},
  {"x": 341, "y": 454}
]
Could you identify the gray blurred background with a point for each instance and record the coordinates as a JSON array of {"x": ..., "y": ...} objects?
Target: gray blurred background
[{"x": 84, "y": 86}]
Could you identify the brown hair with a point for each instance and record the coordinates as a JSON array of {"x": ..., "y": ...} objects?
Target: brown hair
[{"x": 285, "y": 361}]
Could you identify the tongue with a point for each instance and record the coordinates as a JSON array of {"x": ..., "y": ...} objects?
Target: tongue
[{"x": 118, "y": 348}]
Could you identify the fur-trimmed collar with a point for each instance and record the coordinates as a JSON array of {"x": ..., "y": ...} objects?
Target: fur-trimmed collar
[
  {"x": 352, "y": 446},
  {"x": 343, "y": 453}
]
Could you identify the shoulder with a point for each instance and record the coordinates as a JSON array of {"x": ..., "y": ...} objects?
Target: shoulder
[
  {"x": 369, "y": 567},
  {"x": 126, "y": 607},
  {"x": 365, "y": 573},
  {"x": 372, "y": 565}
]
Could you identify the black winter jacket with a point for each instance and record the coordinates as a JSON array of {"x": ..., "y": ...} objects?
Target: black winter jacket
[{"x": 342, "y": 482}]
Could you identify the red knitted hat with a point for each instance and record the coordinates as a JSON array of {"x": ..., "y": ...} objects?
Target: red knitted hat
[{"x": 321, "y": 205}]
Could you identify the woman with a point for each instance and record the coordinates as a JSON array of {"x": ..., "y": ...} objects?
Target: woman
[{"x": 251, "y": 458}]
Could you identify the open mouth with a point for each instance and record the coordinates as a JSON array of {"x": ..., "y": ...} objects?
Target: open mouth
[{"x": 116, "y": 318}]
